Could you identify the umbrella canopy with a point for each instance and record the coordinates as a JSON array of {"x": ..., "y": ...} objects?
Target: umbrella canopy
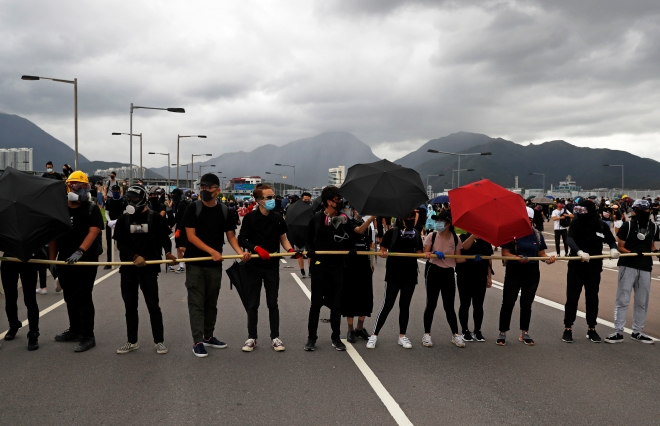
[
  {"x": 495, "y": 214},
  {"x": 550, "y": 197},
  {"x": 383, "y": 189},
  {"x": 317, "y": 203},
  {"x": 96, "y": 178},
  {"x": 238, "y": 278},
  {"x": 297, "y": 220},
  {"x": 33, "y": 211},
  {"x": 440, "y": 199},
  {"x": 541, "y": 200}
]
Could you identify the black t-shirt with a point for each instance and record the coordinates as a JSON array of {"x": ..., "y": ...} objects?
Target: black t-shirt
[
  {"x": 262, "y": 231},
  {"x": 133, "y": 238},
  {"x": 634, "y": 244},
  {"x": 156, "y": 207},
  {"x": 322, "y": 237},
  {"x": 606, "y": 213},
  {"x": 81, "y": 219},
  {"x": 538, "y": 216},
  {"x": 210, "y": 227},
  {"x": 589, "y": 239},
  {"x": 479, "y": 246},
  {"x": 402, "y": 270},
  {"x": 53, "y": 175},
  {"x": 114, "y": 207},
  {"x": 360, "y": 242}
]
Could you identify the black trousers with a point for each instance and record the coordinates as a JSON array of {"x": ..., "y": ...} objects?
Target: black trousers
[
  {"x": 108, "y": 242},
  {"x": 525, "y": 279},
  {"x": 42, "y": 278},
  {"x": 326, "y": 290},
  {"x": 9, "y": 272},
  {"x": 580, "y": 275},
  {"x": 133, "y": 279},
  {"x": 440, "y": 280},
  {"x": 559, "y": 234},
  {"x": 392, "y": 290},
  {"x": 471, "y": 291},
  {"x": 270, "y": 278},
  {"x": 77, "y": 284}
]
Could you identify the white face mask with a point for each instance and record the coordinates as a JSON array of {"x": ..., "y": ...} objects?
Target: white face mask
[
  {"x": 130, "y": 209},
  {"x": 79, "y": 196}
]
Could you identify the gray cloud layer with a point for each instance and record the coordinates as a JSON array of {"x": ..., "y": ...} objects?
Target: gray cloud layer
[{"x": 394, "y": 73}]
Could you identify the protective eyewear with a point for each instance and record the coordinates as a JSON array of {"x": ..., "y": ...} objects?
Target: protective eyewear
[
  {"x": 410, "y": 234},
  {"x": 208, "y": 187},
  {"x": 580, "y": 210},
  {"x": 75, "y": 186},
  {"x": 267, "y": 197}
]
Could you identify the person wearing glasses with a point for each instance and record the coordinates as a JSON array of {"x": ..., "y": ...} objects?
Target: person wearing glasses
[
  {"x": 262, "y": 233},
  {"x": 328, "y": 230},
  {"x": 206, "y": 223},
  {"x": 400, "y": 276}
]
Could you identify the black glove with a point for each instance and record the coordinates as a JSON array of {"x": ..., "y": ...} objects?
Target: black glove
[
  {"x": 640, "y": 253},
  {"x": 74, "y": 257},
  {"x": 352, "y": 252}
]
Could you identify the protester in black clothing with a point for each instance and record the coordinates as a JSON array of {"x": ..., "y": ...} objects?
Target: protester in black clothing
[
  {"x": 141, "y": 236},
  {"x": 154, "y": 201},
  {"x": 539, "y": 217},
  {"x": 400, "y": 276},
  {"x": 114, "y": 207},
  {"x": 180, "y": 203},
  {"x": 306, "y": 198},
  {"x": 357, "y": 296},
  {"x": 327, "y": 230},
  {"x": 263, "y": 232},
  {"x": 50, "y": 173},
  {"x": 586, "y": 236},
  {"x": 66, "y": 171},
  {"x": 79, "y": 244}
]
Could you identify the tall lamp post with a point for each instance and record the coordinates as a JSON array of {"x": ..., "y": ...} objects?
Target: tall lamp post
[
  {"x": 459, "y": 155},
  {"x": 177, "y": 182},
  {"x": 541, "y": 174},
  {"x": 75, "y": 107},
  {"x": 133, "y": 107},
  {"x": 192, "y": 165},
  {"x": 278, "y": 174},
  {"x": 134, "y": 134},
  {"x": 617, "y": 165},
  {"x": 458, "y": 171},
  {"x": 168, "y": 167},
  {"x": 199, "y": 175},
  {"x": 178, "y": 142},
  {"x": 427, "y": 180},
  {"x": 294, "y": 172}
]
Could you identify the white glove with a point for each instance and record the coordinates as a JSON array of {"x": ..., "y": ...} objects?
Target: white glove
[
  {"x": 112, "y": 223},
  {"x": 585, "y": 256},
  {"x": 614, "y": 254}
]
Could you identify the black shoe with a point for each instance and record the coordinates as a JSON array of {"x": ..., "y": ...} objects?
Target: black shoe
[
  {"x": 351, "y": 337},
  {"x": 339, "y": 345},
  {"x": 85, "y": 344},
  {"x": 107, "y": 267},
  {"x": 478, "y": 336},
  {"x": 614, "y": 338},
  {"x": 11, "y": 333},
  {"x": 567, "y": 336},
  {"x": 302, "y": 272},
  {"x": 68, "y": 336},
  {"x": 641, "y": 338},
  {"x": 33, "y": 341},
  {"x": 593, "y": 336},
  {"x": 362, "y": 334},
  {"x": 309, "y": 346},
  {"x": 467, "y": 336}
]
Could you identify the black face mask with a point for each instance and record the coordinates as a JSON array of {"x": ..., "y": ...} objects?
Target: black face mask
[
  {"x": 176, "y": 198},
  {"x": 153, "y": 201},
  {"x": 409, "y": 223},
  {"x": 206, "y": 195},
  {"x": 642, "y": 218},
  {"x": 339, "y": 205}
]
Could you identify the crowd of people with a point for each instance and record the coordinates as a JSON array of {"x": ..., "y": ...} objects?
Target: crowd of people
[{"x": 143, "y": 220}]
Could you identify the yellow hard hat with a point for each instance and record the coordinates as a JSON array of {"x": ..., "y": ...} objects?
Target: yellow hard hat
[{"x": 78, "y": 176}]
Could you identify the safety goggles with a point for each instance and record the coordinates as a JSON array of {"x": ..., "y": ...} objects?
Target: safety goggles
[
  {"x": 408, "y": 233},
  {"x": 580, "y": 210},
  {"x": 75, "y": 186},
  {"x": 208, "y": 187}
]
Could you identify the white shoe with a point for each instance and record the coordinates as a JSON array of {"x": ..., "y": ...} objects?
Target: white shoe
[
  {"x": 128, "y": 347},
  {"x": 249, "y": 345},
  {"x": 42, "y": 290},
  {"x": 161, "y": 349},
  {"x": 426, "y": 341},
  {"x": 278, "y": 346},
  {"x": 458, "y": 341},
  {"x": 371, "y": 343},
  {"x": 405, "y": 342}
]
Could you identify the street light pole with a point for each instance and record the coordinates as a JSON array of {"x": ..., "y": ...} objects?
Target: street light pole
[
  {"x": 541, "y": 174},
  {"x": 192, "y": 165},
  {"x": 459, "y": 155},
  {"x": 617, "y": 165},
  {"x": 205, "y": 165},
  {"x": 458, "y": 171},
  {"x": 178, "y": 142},
  {"x": 131, "y": 151},
  {"x": 75, "y": 107},
  {"x": 168, "y": 167},
  {"x": 294, "y": 172},
  {"x": 427, "y": 180}
]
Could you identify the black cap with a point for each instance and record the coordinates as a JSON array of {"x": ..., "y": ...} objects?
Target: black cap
[
  {"x": 209, "y": 179},
  {"x": 177, "y": 191}
]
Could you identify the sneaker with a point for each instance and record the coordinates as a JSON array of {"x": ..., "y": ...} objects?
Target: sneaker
[
  {"x": 171, "y": 269},
  {"x": 42, "y": 290},
  {"x": 567, "y": 336},
  {"x": 214, "y": 343},
  {"x": 362, "y": 334},
  {"x": 524, "y": 337},
  {"x": 501, "y": 339},
  {"x": 161, "y": 349},
  {"x": 302, "y": 273},
  {"x": 593, "y": 336},
  {"x": 68, "y": 336},
  {"x": 11, "y": 333},
  {"x": 467, "y": 336},
  {"x": 180, "y": 270},
  {"x": 58, "y": 288},
  {"x": 309, "y": 346},
  {"x": 278, "y": 346},
  {"x": 478, "y": 337},
  {"x": 128, "y": 347},
  {"x": 371, "y": 344},
  {"x": 350, "y": 337},
  {"x": 85, "y": 344},
  {"x": 458, "y": 341},
  {"x": 640, "y": 337},
  {"x": 33, "y": 341},
  {"x": 426, "y": 341},
  {"x": 405, "y": 342},
  {"x": 199, "y": 350},
  {"x": 107, "y": 267},
  {"x": 614, "y": 338},
  {"x": 339, "y": 345},
  {"x": 249, "y": 345}
]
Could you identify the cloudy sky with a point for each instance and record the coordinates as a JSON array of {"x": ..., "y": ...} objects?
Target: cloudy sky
[{"x": 394, "y": 73}]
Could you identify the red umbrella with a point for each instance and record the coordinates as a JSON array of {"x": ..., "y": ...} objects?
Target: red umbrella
[{"x": 489, "y": 211}]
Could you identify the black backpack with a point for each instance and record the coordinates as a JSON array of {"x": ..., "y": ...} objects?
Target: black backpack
[{"x": 565, "y": 222}]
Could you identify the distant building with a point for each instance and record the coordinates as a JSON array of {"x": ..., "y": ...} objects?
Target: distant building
[
  {"x": 18, "y": 158},
  {"x": 336, "y": 176},
  {"x": 122, "y": 172},
  {"x": 566, "y": 186},
  {"x": 244, "y": 185}
]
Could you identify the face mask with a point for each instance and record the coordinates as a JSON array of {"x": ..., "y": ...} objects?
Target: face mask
[
  {"x": 347, "y": 211},
  {"x": 49, "y": 170},
  {"x": 206, "y": 195},
  {"x": 269, "y": 205},
  {"x": 116, "y": 195},
  {"x": 176, "y": 198},
  {"x": 78, "y": 196},
  {"x": 130, "y": 209},
  {"x": 112, "y": 177},
  {"x": 440, "y": 226},
  {"x": 642, "y": 217},
  {"x": 339, "y": 206},
  {"x": 153, "y": 201}
]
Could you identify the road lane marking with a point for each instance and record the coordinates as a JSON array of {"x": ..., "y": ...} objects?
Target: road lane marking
[
  {"x": 283, "y": 261},
  {"x": 60, "y": 302},
  {"x": 392, "y": 406}
]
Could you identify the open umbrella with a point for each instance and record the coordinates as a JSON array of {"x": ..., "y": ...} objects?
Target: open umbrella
[
  {"x": 238, "y": 278},
  {"x": 96, "y": 178},
  {"x": 440, "y": 199},
  {"x": 542, "y": 200},
  {"x": 297, "y": 220},
  {"x": 33, "y": 211},
  {"x": 495, "y": 214},
  {"x": 317, "y": 203},
  {"x": 383, "y": 189}
]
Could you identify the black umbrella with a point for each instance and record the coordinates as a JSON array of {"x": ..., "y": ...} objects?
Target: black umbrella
[
  {"x": 316, "y": 204},
  {"x": 383, "y": 189},
  {"x": 298, "y": 216},
  {"x": 238, "y": 278},
  {"x": 33, "y": 211},
  {"x": 96, "y": 178}
]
